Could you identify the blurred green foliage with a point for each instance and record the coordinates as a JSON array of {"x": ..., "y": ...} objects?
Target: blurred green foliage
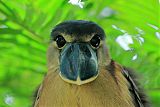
[{"x": 25, "y": 26}]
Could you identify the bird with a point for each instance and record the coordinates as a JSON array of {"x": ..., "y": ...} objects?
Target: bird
[{"x": 81, "y": 72}]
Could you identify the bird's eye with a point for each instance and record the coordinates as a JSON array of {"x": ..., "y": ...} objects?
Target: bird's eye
[
  {"x": 60, "y": 41},
  {"x": 95, "y": 41}
]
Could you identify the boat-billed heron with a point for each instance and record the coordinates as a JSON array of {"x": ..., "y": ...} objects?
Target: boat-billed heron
[{"x": 81, "y": 72}]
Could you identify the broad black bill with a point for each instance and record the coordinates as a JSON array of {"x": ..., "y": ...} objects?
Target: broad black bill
[{"x": 78, "y": 61}]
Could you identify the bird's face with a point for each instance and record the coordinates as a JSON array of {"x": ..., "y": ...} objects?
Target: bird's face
[{"x": 77, "y": 45}]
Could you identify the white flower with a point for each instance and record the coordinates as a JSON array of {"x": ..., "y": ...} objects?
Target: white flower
[
  {"x": 158, "y": 35},
  {"x": 153, "y": 26},
  {"x": 107, "y": 12},
  {"x": 117, "y": 28},
  {"x": 76, "y": 2},
  {"x": 134, "y": 57},
  {"x": 139, "y": 38},
  {"x": 156, "y": 28},
  {"x": 140, "y": 31},
  {"x": 124, "y": 41},
  {"x": 8, "y": 100}
]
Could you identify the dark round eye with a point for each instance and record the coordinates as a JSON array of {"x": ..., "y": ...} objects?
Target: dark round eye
[
  {"x": 95, "y": 41},
  {"x": 60, "y": 41}
]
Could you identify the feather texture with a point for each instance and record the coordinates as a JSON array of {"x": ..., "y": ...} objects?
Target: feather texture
[
  {"x": 140, "y": 99},
  {"x": 105, "y": 91}
]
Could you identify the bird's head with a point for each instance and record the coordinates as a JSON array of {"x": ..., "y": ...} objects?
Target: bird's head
[{"x": 77, "y": 50}]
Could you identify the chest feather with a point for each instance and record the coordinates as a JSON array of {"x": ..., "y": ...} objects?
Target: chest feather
[{"x": 105, "y": 91}]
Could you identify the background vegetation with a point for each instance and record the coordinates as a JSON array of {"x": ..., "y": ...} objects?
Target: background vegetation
[{"x": 25, "y": 27}]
